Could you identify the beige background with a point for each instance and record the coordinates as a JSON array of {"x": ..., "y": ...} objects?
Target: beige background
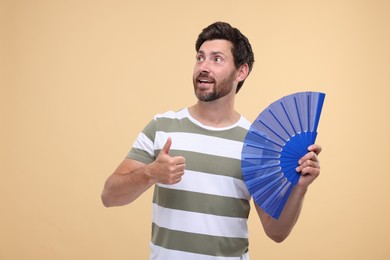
[{"x": 80, "y": 79}]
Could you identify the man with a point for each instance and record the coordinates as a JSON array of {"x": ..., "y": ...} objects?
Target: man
[{"x": 192, "y": 158}]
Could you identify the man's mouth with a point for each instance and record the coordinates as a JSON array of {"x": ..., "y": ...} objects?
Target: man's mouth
[{"x": 205, "y": 81}]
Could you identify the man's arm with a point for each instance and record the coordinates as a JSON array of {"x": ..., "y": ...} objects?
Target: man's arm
[
  {"x": 132, "y": 178},
  {"x": 278, "y": 230}
]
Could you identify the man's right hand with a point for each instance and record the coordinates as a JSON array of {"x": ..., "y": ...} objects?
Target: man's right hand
[{"x": 167, "y": 169}]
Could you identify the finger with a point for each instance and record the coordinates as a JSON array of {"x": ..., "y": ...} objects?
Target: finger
[
  {"x": 309, "y": 163},
  {"x": 313, "y": 171},
  {"x": 310, "y": 160},
  {"x": 180, "y": 167},
  {"x": 177, "y": 180},
  {"x": 167, "y": 146},
  {"x": 309, "y": 156},
  {"x": 315, "y": 148},
  {"x": 179, "y": 160}
]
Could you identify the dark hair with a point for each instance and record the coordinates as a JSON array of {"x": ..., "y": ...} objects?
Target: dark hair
[{"x": 242, "y": 49}]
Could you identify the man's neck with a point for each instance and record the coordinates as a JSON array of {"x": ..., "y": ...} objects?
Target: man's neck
[{"x": 218, "y": 113}]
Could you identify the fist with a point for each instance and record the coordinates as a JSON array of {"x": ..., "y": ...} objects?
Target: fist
[{"x": 168, "y": 169}]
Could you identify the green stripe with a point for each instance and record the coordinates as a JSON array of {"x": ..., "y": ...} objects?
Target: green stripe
[
  {"x": 210, "y": 163},
  {"x": 150, "y": 130},
  {"x": 198, "y": 243},
  {"x": 187, "y": 126},
  {"x": 140, "y": 155},
  {"x": 200, "y": 202}
]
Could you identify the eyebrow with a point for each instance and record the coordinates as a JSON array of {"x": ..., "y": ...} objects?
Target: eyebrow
[{"x": 212, "y": 53}]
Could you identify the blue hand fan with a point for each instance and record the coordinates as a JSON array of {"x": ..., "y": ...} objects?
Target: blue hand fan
[{"x": 275, "y": 142}]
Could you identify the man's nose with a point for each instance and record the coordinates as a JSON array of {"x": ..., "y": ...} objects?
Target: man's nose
[{"x": 204, "y": 66}]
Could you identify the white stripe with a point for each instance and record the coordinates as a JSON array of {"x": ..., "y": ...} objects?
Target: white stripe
[
  {"x": 201, "y": 144},
  {"x": 160, "y": 253},
  {"x": 144, "y": 143},
  {"x": 173, "y": 115},
  {"x": 242, "y": 122},
  {"x": 200, "y": 223},
  {"x": 211, "y": 184}
]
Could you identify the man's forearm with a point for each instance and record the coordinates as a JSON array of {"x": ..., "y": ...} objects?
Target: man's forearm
[
  {"x": 279, "y": 229},
  {"x": 123, "y": 188}
]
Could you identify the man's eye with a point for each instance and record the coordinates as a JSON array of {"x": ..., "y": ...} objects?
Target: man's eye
[
  {"x": 199, "y": 58},
  {"x": 218, "y": 59}
]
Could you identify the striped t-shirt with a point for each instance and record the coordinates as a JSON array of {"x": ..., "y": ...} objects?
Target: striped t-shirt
[{"x": 204, "y": 216}]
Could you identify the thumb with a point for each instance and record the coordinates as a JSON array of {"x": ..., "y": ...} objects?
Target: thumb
[{"x": 167, "y": 146}]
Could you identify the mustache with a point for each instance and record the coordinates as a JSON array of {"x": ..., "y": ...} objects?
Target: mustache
[{"x": 204, "y": 74}]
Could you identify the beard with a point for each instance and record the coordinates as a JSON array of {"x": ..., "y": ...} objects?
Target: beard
[{"x": 219, "y": 90}]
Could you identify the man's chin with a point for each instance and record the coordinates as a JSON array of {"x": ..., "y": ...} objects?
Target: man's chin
[{"x": 206, "y": 97}]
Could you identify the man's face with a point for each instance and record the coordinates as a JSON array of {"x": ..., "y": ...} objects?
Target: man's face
[{"x": 214, "y": 73}]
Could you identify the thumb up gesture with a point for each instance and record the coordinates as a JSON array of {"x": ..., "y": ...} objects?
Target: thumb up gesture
[{"x": 167, "y": 169}]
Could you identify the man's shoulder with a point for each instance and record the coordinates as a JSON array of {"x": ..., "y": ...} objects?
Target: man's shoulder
[
  {"x": 244, "y": 122},
  {"x": 180, "y": 114}
]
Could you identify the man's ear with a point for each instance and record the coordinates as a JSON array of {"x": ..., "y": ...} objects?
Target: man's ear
[{"x": 243, "y": 72}]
